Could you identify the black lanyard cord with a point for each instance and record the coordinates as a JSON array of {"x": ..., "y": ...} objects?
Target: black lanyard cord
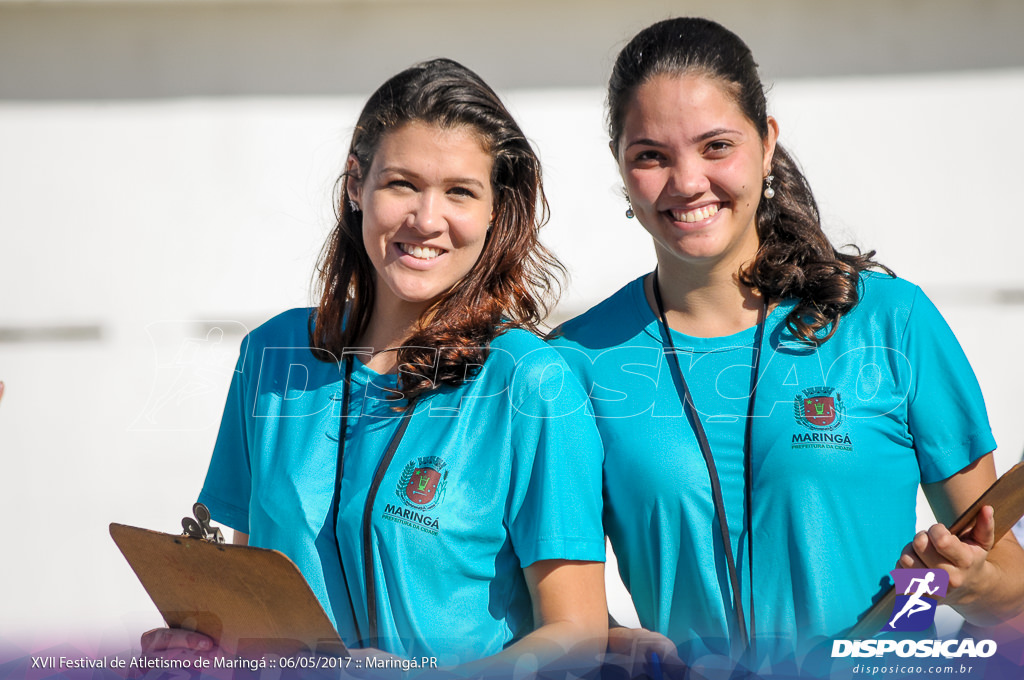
[
  {"x": 378, "y": 477},
  {"x": 382, "y": 467},
  {"x": 705, "y": 448},
  {"x": 345, "y": 405}
]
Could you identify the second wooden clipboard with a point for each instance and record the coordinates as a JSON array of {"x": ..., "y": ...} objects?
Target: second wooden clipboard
[
  {"x": 251, "y": 601},
  {"x": 1006, "y": 496}
]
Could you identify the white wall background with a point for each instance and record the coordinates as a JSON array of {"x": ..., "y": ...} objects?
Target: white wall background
[{"x": 165, "y": 180}]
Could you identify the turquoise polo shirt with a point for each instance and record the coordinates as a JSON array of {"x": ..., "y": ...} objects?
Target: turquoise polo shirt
[
  {"x": 843, "y": 435},
  {"x": 490, "y": 477}
]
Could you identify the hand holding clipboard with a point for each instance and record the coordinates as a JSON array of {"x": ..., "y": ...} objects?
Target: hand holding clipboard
[
  {"x": 247, "y": 600},
  {"x": 1006, "y": 496}
]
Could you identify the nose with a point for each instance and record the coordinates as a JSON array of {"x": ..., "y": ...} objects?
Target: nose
[
  {"x": 428, "y": 216},
  {"x": 687, "y": 178}
]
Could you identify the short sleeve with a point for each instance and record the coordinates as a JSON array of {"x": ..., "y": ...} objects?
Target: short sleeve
[
  {"x": 946, "y": 411},
  {"x": 555, "y": 497},
  {"x": 228, "y": 484}
]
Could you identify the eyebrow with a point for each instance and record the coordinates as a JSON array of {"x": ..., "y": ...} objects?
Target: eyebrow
[
  {"x": 465, "y": 180},
  {"x": 715, "y": 133},
  {"x": 447, "y": 180},
  {"x": 694, "y": 140}
]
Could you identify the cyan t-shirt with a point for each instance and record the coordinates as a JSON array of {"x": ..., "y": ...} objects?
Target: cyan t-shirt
[
  {"x": 843, "y": 435},
  {"x": 489, "y": 478}
]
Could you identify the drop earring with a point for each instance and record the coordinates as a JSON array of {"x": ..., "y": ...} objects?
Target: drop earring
[
  {"x": 768, "y": 191},
  {"x": 629, "y": 210},
  {"x": 353, "y": 205}
]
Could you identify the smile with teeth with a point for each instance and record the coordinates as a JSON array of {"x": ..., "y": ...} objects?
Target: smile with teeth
[
  {"x": 420, "y": 252},
  {"x": 695, "y": 215}
]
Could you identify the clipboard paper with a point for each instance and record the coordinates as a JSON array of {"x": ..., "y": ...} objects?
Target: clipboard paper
[{"x": 250, "y": 601}]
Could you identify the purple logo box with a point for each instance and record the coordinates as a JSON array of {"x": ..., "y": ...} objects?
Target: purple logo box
[{"x": 917, "y": 594}]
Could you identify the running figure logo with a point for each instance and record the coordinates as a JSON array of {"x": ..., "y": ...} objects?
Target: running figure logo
[{"x": 921, "y": 589}]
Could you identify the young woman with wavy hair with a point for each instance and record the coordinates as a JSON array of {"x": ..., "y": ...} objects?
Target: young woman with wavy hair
[
  {"x": 507, "y": 285},
  {"x": 769, "y": 405},
  {"x": 407, "y": 442}
]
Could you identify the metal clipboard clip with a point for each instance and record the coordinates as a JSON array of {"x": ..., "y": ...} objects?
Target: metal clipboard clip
[{"x": 200, "y": 526}]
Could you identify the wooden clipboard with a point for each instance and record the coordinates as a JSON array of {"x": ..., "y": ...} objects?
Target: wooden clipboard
[
  {"x": 250, "y": 601},
  {"x": 1006, "y": 496}
]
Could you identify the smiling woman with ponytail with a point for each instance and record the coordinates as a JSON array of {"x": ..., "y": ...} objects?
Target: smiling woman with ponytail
[{"x": 768, "y": 404}]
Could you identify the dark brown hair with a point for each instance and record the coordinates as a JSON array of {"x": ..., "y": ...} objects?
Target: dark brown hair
[
  {"x": 510, "y": 283},
  {"x": 795, "y": 258}
]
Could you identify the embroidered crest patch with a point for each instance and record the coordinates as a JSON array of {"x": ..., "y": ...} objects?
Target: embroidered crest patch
[
  {"x": 423, "y": 482},
  {"x": 819, "y": 408}
]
